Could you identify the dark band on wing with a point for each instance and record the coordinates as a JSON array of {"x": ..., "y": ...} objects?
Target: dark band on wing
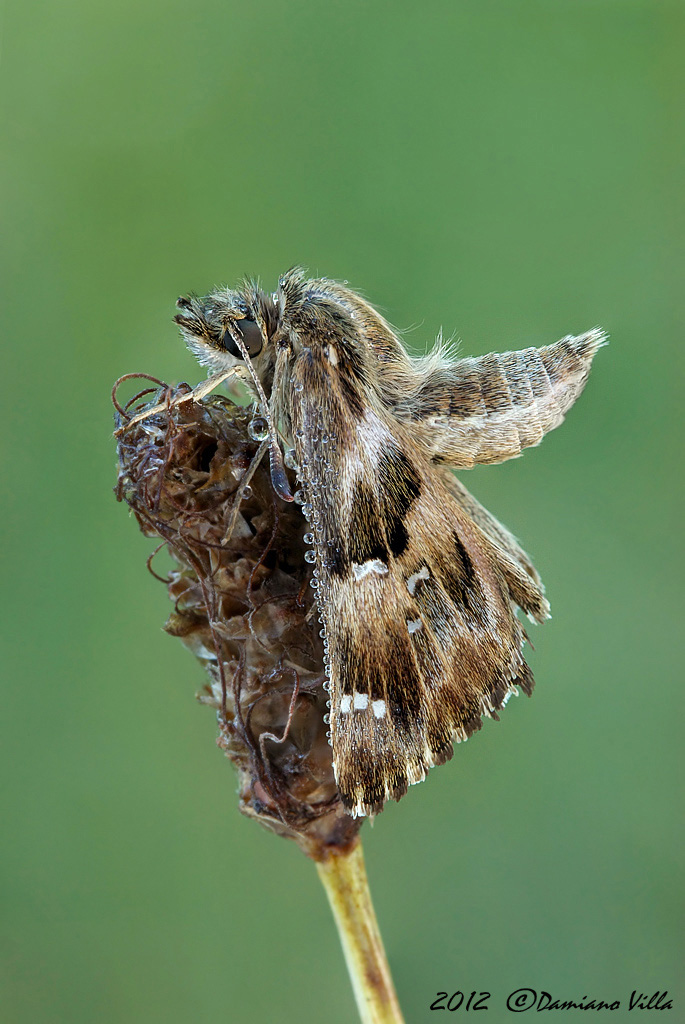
[
  {"x": 366, "y": 537},
  {"x": 460, "y": 580},
  {"x": 377, "y": 527},
  {"x": 400, "y": 486},
  {"x": 404, "y": 689}
]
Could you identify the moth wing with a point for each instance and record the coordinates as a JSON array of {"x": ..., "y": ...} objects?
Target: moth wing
[
  {"x": 522, "y": 577},
  {"x": 422, "y": 635},
  {"x": 488, "y": 409},
  {"x": 417, "y": 600}
]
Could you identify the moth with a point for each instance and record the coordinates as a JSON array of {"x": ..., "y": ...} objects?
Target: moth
[{"x": 416, "y": 584}]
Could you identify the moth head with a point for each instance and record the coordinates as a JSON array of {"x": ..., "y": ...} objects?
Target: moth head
[{"x": 223, "y": 328}]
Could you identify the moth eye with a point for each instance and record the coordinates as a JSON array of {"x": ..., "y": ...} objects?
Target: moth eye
[{"x": 251, "y": 335}]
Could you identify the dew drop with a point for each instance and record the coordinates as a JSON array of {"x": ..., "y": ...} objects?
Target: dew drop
[
  {"x": 247, "y": 492},
  {"x": 290, "y": 458},
  {"x": 310, "y": 556},
  {"x": 322, "y": 633},
  {"x": 298, "y": 496},
  {"x": 258, "y": 428},
  {"x": 326, "y": 719},
  {"x": 308, "y": 538}
]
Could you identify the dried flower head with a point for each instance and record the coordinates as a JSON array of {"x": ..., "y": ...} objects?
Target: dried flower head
[{"x": 195, "y": 476}]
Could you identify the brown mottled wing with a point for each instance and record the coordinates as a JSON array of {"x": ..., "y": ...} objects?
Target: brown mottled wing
[
  {"x": 415, "y": 600},
  {"x": 488, "y": 409},
  {"x": 421, "y": 652}
]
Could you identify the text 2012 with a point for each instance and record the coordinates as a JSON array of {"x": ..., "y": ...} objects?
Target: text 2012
[{"x": 455, "y": 1001}]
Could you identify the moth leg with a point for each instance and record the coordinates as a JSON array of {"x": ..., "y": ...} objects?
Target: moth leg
[
  {"x": 198, "y": 392},
  {"x": 488, "y": 409}
]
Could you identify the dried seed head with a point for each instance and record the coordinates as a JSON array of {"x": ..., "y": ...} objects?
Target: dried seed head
[{"x": 196, "y": 476}]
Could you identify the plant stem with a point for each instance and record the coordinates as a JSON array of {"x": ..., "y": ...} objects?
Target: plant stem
[{"x": 344, "y": 878}]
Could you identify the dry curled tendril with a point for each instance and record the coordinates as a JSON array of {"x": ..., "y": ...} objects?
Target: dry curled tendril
[{"x": 196, "y": 479}]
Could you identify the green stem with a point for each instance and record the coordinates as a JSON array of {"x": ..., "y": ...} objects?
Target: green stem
[{"x": 344, "y": 878}]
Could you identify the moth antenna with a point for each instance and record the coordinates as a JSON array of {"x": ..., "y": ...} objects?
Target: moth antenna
[{"x": 276, "y": 465}]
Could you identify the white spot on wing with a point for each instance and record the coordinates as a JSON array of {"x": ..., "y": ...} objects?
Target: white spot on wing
[
  {"x": 361, "y": 701},
  {"x": 373, "y": 565},
  {"x": 378, "y": 708},
  {"x": 414, "y": 624},
  {"x": 422, "y": 574},
  {"x": 346, "y": 704}
]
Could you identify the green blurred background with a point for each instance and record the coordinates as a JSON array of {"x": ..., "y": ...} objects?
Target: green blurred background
[{"x": 511, "y": 171}]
